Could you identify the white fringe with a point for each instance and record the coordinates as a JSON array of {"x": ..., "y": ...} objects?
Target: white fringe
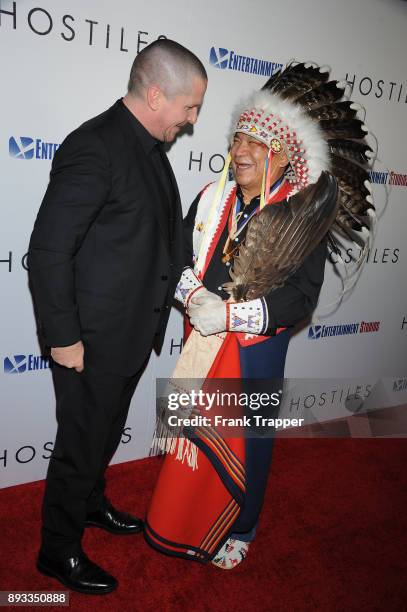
[
  {"x": 190, "y": 452},
  {"x": 184, "y": 448},
  {"x": 194, "y": 363}
]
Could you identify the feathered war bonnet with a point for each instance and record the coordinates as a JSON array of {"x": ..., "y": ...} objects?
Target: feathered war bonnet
[
  {"x": 282, "y": 125},
  {"x": 301, "y": 111}
]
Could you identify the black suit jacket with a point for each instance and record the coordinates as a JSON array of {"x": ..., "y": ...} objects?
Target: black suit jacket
[{"x": 103, "y": 262}]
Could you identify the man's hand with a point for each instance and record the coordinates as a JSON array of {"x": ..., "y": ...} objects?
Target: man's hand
[
  {"x": 203, "y": 296},
  {"x": 207, "y": 316},
  {"x": 69, "y": 356}
]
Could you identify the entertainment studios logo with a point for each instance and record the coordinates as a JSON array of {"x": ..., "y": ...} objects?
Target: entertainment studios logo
[
  {"x": 223, "y": 59},
  {"x": 19, "y": 364},
  {"x": 397, "y": 179},
  {"x": 25, "y": 147},
  {"x": 316, "y": 332}
]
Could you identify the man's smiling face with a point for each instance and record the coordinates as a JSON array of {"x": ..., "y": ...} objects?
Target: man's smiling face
[
  {"x": 248, "y": 158},
  {"x": 179, "y": 110}
]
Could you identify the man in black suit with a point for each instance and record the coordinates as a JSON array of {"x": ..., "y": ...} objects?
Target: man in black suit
[{"x": 105, "y": 256}]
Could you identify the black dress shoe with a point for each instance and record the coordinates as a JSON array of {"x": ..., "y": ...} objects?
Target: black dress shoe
[
  {"x": 78, "y": 573},
  {"x": 110, "y": 519}
]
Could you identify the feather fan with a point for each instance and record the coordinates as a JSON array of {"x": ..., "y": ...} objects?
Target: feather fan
[
  {"x": 322, "y": 100},
  {"x": 280, "y": 237}
]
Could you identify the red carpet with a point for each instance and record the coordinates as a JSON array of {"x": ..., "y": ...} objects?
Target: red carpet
[{"x": 332, "y": 537}]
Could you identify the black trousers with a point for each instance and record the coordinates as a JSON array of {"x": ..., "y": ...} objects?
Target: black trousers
[{"x": 91, "y": 411}]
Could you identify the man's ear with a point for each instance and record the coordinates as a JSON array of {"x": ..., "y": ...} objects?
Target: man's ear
[{"x": 154, "y": 97}]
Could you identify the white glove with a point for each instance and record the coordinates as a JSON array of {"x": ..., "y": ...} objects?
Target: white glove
[
  {"x": 203, "y": 296},
  {"x": 248, "y": 317},
  {"x": 208, "y": 316},
  {"x": 211, "y": 317},
  {"x": 190, "y": 286},
  {"x": 187, "y": 285}
]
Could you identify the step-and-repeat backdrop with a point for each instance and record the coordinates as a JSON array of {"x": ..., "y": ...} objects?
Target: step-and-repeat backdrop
[{"x": 64, "y": 62}]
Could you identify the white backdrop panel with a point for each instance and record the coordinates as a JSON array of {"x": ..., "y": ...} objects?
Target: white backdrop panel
[{"x": 65, "y": 62}]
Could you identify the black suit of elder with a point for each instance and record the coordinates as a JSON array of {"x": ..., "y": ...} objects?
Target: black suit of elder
[{"x": 105, "y": 256}]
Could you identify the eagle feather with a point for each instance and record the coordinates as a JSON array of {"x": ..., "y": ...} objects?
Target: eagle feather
[{"x": 280, "y": 237}]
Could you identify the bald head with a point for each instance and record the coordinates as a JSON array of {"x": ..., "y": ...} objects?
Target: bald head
[{"x": 166, "y": 64}]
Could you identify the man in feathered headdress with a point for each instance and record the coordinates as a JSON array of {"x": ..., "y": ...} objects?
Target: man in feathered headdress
[{"x": 294, "y": 143}]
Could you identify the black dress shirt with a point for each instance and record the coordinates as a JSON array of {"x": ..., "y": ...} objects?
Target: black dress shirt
[{"x": 156, "y": 154}]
